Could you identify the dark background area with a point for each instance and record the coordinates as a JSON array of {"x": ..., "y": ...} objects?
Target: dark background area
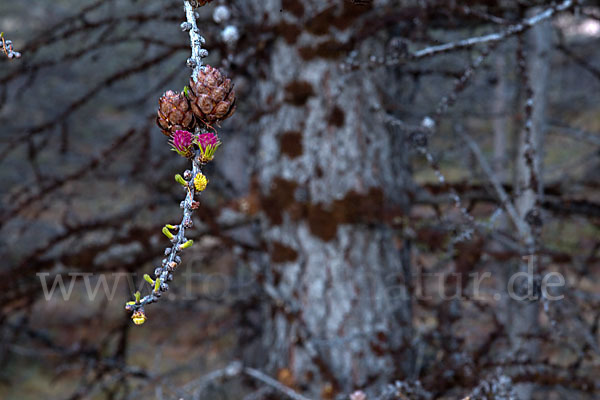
[{"x": 360, "y": 185}]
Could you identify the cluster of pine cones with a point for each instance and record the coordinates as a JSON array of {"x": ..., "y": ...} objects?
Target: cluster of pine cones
[{"x": 209, "y": 99}]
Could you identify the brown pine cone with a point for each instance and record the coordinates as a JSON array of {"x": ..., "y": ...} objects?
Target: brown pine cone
[
  {"x": 174, "y": 113},
  {"x": 212, "y": 98}
]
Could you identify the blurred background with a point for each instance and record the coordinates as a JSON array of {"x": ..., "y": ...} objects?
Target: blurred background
[{"x": 374, "y": 194}]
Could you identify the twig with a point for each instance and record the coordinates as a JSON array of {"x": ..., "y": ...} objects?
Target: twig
[
  {"x": 81, "y": 101},
  {"x": 164, "y": 273},
  {"x": 24, "y": 199},
  {"x": 466, "y": 10},
  {"x": 564, "y": 129},
  {"x": 528, "y": 170},
  {"x": 497, "y": 36},
  {"x": 267, "y": 380},
  {"x": 581, "y": 61},
  {"x": 196, "y": 40},
  {"x": 232, "y": 370},
  {"x": 487, "y": 169},
  {"x": 236, "y": 369},
  {"x": 259, "y": 394},
  {"x": 460, "y": 84},
  {"x": 419, "y": 136}
]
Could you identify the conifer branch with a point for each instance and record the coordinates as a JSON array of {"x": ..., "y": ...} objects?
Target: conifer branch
[
  {"x": 196, "y": 40},
  {"x": 173, "y": 119}
]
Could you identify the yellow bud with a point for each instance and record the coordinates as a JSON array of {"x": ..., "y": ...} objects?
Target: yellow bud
[
  {"x": 139, "y": 317},
  {"x": 200, "y": 182}
]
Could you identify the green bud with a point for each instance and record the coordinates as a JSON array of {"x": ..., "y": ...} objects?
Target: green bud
[
  {"x": 148, "y": 279},
  {"x": 186, "y": 245},
  {"x": 167, "y": 233},
  {"x": 179, "y": 179},
  {"x": 157, "y": 285},
  {"x": 138, "y": 296}
]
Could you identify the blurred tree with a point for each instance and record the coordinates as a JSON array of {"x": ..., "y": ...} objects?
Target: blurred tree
[{"x": 332, "y": 175}]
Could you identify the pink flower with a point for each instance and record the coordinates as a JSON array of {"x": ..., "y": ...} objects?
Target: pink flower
[
  {"x": 182, "y": 141},
  {"x": 208, "y": 144},
  {"x": 207, "y": 139}
]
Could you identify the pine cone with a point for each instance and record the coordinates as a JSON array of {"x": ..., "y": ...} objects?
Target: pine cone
[
  {"x": 174, "y": 113},
  {"x": 212, "y": 98}
]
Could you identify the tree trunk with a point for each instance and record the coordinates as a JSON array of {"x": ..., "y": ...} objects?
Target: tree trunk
[{"x": 331, "y": 175}]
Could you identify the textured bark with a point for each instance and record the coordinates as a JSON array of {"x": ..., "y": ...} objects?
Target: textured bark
[{"x": 328, "y": 169}]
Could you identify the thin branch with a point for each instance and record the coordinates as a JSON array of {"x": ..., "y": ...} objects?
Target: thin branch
[
  {"x": 267, "y": 380},
  {"x": 487, "y": 169},
  {"x": 460, "y": 84},
  {"x": 497, "y": 36},
  {"x": 232, "y": 370},
  {"x": 581, "y": 61},
  {"x": 196, "y": 40},
  {"x": 83, "y": 100},
  {"x": 29, "y": 198},
  {"x": 164, "y": 273},
  {"x": 235, "y": 369},
  {"x": 579, "y": 134},
  {"x": 466, "y": 10}
]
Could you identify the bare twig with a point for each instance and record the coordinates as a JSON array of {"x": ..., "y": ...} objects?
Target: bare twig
[
  {"x": 487, "y": 169},
  {"x": 579, "y": 60},
  {"x": 235, "y": 369},
  {"x": 466, "y": 10},
  {"x": 196, "y": 40},
  {"x": 267, "y": 380},
  {"x": 497, "y": 36},
  {"x": 579, "y": 134},
  {"x": 82, "y": 101},
  {"x": 26, "y": 198}
]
